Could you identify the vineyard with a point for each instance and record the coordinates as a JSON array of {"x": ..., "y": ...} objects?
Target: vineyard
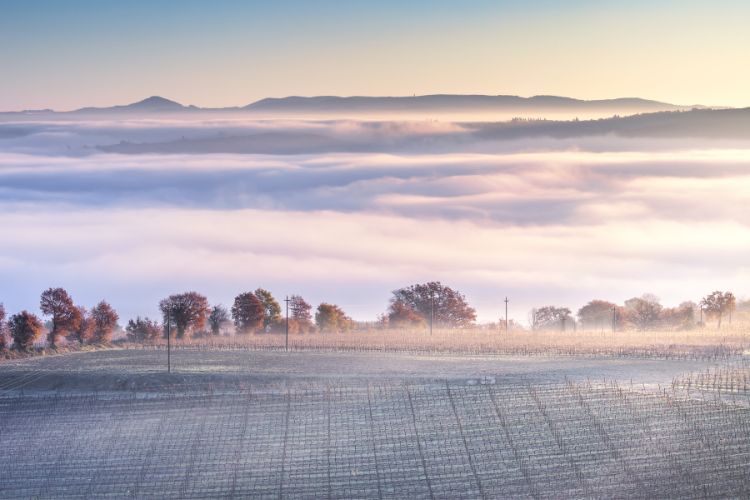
[
  {"x": 265, "y": 423},
  {"x": 698, "y": 343}
]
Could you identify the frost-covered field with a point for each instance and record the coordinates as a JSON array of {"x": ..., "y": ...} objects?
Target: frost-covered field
[{"x": 357, "y": 424}]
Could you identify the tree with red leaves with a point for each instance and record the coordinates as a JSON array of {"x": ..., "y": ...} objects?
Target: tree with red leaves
[
  {"x": 446, "y": 306},
  {"x": 187, "y": 312},
  {"x": 25, "y": 328},
  {"x": 402, "y": 316},
  {"x": 85, "y": 329},
  {"x": 66, "y": 317},
  {"x": 248, "y": 312},
  {"x": 104, "y": 318}
]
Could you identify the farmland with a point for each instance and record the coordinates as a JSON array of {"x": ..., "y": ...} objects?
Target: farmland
[{"x": 354, "y": 424}]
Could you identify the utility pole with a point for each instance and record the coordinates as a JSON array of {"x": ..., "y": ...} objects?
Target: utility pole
[
  {"x": 286, "y": 340},
  {"x": 506, "y": 315},
  {"x": 432, "y": 311},
  {"x": 614, "y": 319},
  {"x": 169, "y": 334}
]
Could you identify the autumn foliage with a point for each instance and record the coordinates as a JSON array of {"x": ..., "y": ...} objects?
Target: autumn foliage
[
  {"x": 248, "y": 313},
  {"x": 65, "y": 316},
  {"x": 445, "y": 306},
  {"x": 185, "y": 312},
  {"x": 331, "y": 318},
  {"x": 25, "y": 328}
]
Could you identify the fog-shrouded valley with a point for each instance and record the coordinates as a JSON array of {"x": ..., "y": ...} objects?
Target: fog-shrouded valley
[
  {"x": 374, "y": 250},
  {"x": 545, "y": 200}
]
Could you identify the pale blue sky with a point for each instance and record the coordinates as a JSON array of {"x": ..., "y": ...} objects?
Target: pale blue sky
[{"x": 68, "y": 54}]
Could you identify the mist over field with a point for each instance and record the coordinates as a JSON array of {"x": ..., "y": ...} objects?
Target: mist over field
[
  {"x": 348, "y": 210},
  {"x": 424, "y": 250}
]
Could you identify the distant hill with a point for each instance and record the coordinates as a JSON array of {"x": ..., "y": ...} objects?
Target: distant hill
[
  {"x": 697, "y": 123},
  {"x": 419, "y": 106},
  {"x": 153, "y": 104},
  {"x": 453, "y": 103}
]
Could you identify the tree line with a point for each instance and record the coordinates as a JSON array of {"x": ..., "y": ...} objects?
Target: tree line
[
  {"x": 417, "y": 306},
  {"x": 66, "y": 319},
  {"x": 638, "y": 313},
  {"x": 191, "y": 315}
]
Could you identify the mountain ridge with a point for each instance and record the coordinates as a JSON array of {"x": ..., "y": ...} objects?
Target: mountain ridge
[
  {"x": 447, "y": 102},
  {"x": 415, "y": 103}
]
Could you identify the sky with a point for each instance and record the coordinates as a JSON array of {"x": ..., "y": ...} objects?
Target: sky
[{"x": 65, "y": 55}]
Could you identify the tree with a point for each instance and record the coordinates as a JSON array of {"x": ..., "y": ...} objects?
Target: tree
[
  {"x": 85, "y": 330},
  {"x": 644, "y": 312},
  {"x": 446, "y": 306},
  {"x": 301, "y": 317},
  {"x": 218, "y": 318},
  {"x": 3, "y": 340},
  {"x": 331, "y": 318},
  {"x": 717, "y": 304},
  {"x": 188, "y": 312},
  {"x": 402, "y": 316},
  {"x": 56, "y": 302},
  {"x": 142, "y": 330},
  {"x": 105, "y": 319},
  {"x": 271, "y": 308},
  {"x": 599, "y": 314},
  {"x": 247, "y": 312},
  {"x": 550, "y": 317},
  {"x": 681, "y": 317},
  {"x": 25, "y": 328}
]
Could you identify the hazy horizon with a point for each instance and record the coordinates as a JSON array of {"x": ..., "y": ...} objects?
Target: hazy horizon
[
  {"x": 347, "y": 206},
  {"x": 75, "y": 54}
]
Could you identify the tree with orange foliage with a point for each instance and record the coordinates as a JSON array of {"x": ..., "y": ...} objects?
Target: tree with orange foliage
[
  {"x": 402, "y": 316},
  {"x": 187, "y": 312},
  {"x": 66, "y": 317},
  {"x": 448, "y": 307},
  {"x": 85, "y": 329},
  {"x": 717, "y": 304},
  {"x": 247, "y": 312},
  {"x": 104, "y": 318},
  {"x": 25, "y": 328}
]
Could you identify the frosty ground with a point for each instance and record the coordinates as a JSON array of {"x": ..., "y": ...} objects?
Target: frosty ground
[{"x": 366, "y": 424}]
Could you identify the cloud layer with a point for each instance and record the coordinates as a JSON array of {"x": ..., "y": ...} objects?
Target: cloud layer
[{"x": 545, "y": 225}]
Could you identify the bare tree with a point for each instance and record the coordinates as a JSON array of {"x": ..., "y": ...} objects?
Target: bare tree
[
  {"x": 218, "y": 318},
  {"x": 105, "y": 319},
  {"x": 644, "y": 312},
  {"x": 717, "y": 304},
  {"x": 188, "y": 312},
  {"x": 446, "y": 306},
  {"x": 25, "y": 328},
  {"x": 550, "y": 317},
  {"x": 247, "y": 313},
  {"x": 56, "y": 302}
]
